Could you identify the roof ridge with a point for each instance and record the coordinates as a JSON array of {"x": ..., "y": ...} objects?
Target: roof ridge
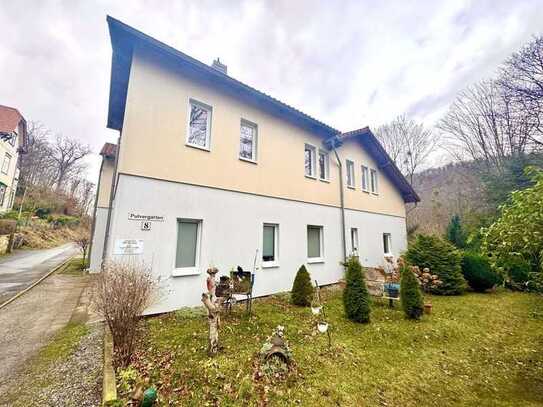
[{"x": 212, "y": 70}]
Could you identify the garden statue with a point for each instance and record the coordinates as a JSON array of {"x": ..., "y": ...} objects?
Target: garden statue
[
  {"x": 211, "y": 283},
  {"x": 276, "y": 346},
  {"x": 213, "y": 311}
]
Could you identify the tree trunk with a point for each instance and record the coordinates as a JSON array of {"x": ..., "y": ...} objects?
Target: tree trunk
[{"x": 214, "y": 323}]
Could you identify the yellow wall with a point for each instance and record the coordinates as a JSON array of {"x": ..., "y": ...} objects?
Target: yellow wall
[
  {"x": 106, "y": 177},
  {"x": 154, "y": 135}
]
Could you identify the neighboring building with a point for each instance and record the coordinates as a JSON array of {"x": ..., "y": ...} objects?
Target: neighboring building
[
  {"x": 12, "y": 141},
  {"x": 209, "y": 171}
]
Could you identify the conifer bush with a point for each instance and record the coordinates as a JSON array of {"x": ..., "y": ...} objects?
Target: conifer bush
[
  {"x": 356, "y": 298},
  {"x": 443, "y": 259},
  {"x": 302, "y": 289},
  {"x": 410, "y": 293},
  {"x": 478, "y": 272}
]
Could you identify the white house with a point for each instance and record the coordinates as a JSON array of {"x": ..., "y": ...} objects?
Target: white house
[{"x": 210, "y": 171}]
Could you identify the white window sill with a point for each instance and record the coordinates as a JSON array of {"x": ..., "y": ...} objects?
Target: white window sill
[
  {"x": 375, "y": 193},
  {"x": 198, "y": 147},
  {"x": 185, "y": 271},
  {"x": 270, "y": 264},
  {"x": 248, "y": 160},
  {"x": 366, "y": 191},
  {"x": 351, "y": 187},
  {"x": 311, "y": 176},
  {"x": 324, "y": 180},
  {"x": 313, "y": 260}
]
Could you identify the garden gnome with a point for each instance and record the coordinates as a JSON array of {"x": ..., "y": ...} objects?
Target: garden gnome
[{"x": 211, "y": 283}]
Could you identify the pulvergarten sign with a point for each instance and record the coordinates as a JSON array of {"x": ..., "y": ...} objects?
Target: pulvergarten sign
[{"x": 149, "y": 218}]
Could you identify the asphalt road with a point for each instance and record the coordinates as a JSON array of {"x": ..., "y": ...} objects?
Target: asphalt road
[{"x": 22, "y": 268}]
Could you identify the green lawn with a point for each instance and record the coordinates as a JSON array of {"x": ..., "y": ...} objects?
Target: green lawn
[{"x": 477, "y": 349}]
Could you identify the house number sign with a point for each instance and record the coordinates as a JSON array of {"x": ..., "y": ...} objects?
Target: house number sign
[
  {"x": 146, "y": 218},
  {"x": 146, "y": 225}
]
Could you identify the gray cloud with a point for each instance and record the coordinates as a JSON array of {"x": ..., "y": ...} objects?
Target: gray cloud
[{"x": 348, "y": 63}]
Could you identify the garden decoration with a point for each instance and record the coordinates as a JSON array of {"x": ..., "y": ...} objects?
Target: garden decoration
[
  {"x": 316, "y": 309},
  {"x": 212, "y": 305},
  {"x": 427, "y": 280},
  {"x": 276, "y": 346},
  {"x": 149, "y": 397}
]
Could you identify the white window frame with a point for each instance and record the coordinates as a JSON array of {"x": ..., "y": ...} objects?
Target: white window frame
[
  {"x": 374, "y": 182},
  {"x": 326, "y": 177},
  {"x": 354, "y": 241},
  {"x": 366, "y": 178},
  {"x": 13, "y": 139},
  {"x": 349, "y": 167},
  {"x": 319, "y": 259},
  {"x": 254, "y": 157},
  {"x": 193, "y": 270},
  {"x": 274, "y": 263},
  {"x": 6, "y": 163},
  {"x": 388, "y": 238},
  {"x": 313, "y": 149},
  {"x": 207, "y": 146}
]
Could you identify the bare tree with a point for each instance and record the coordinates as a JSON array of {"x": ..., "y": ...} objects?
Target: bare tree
[
  {"x": 36, "y": 165},
  {"x": 408, "y": 143},
  {"x": 67, "y": 154},
  {"x": 483, "y": 124},
  {"x": 83, "y": 241},
  {"x": 521, "y": 78}
]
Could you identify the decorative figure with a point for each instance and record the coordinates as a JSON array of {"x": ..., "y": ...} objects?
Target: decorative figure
[
  {"x": 276, "y": 346},
  {"x": 213, "y": 311},
  {"x": 322, "y": 326}
]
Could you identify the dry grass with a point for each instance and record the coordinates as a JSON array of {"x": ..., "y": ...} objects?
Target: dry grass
[
  {"x": 43, "y": 236},
  {"x": 476, "y": 349}
]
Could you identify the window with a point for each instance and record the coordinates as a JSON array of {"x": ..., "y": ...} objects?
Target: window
[
  {"x": 188, "y": 236},
  {"x": 314, "y": 243},
  {"x": 365, "y": 176},
  {"x": 199, "y": 125},
  {"x": 5, "y": 164},
  {"x": 13, "y": 138},
  {"x": 354, "y": 241},
  {"x": 309, "y": 161},
  {"x": 270, "y": 245},
  {"x": 248, "y": 141},
  {"x": 2, "y": 194},
  {"x": 324, "y": 166},
  {"x": 350, "y": 174},
  {"x": 387, "y": 243},
  {"x": 374, "y": 184}
]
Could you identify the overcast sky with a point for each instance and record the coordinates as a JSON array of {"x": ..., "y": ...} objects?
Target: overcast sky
[{"x": 349, "y": 64}]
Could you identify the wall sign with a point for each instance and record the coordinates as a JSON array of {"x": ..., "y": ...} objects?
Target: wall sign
[
  {"x": 128, "y": 246},
  {"x": 146, "y": 225},
  {"x": 149, "y": 218}
]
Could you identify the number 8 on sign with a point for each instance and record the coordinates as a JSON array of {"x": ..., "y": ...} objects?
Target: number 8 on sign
[{"x": 145, "y": 225}]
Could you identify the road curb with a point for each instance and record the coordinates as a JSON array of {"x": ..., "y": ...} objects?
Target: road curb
[
  {"x": 109, "y": 385},
  {"x": 36, "y": 282}
]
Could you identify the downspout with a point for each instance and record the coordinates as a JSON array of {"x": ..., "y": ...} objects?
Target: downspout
[
  {"x": 342, "y": 203},
  {"x": 111, "y": 196}
]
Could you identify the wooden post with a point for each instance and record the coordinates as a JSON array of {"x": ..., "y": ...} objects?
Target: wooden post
[{"x": 213, "y": 315}]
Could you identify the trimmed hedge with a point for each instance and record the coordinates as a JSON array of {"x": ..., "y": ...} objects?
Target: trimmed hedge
[
  {"x": 356, "y": 298},
  {"x": 410, "y": 294},
  {"x": 443, "y": 259},
  {"x": 478, "y": 272},
  {"x": 302, "y": 289}
]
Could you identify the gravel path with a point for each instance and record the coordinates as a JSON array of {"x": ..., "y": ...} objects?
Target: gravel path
[
  {"x": 29, "y": 322},
  {"x": 75, "y": 381}
]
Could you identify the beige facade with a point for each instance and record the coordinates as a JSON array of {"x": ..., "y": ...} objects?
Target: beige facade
[
  {"x": 154, "y": 145},
  {"x": 106, "y": 178}
]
